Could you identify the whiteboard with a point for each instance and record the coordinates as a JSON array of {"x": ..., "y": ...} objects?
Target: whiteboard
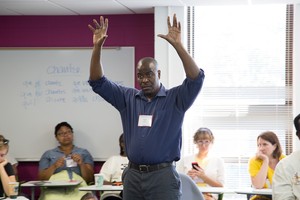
[{"x": 42, "y": 87}]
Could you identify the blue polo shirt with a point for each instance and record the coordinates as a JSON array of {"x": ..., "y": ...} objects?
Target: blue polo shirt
[
  {"x": 162, "y": 141},
  {"x": 52, "y": 155}
]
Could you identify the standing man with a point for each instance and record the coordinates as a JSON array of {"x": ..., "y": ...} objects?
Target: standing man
[
  {"x": 286, "y": 180},
  {"x": 151, "y": 117}
]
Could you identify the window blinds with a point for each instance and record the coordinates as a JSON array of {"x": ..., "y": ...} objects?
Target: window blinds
[{"x": 246, "y": 53}]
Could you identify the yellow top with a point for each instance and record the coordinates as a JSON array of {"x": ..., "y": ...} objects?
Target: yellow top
[{"x": 255, "y": 165}]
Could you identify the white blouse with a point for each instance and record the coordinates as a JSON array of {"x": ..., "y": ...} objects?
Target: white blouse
[{"x": 213, "y": 169}]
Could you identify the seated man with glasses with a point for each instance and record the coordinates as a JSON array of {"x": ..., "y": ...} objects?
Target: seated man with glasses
[
  {"x": 204, "y": 168},
  {"x": 6, "y": 170},
  {"x": 66, "y": 161}
]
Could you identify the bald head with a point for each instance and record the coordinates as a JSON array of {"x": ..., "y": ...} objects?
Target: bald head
[
  {"x": 148, "y": 76},
  {"x": 148, "y": 61}
]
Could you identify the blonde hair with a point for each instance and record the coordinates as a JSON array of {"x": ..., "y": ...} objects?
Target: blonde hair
[
  {"x": 3, "y": 142},
  {"x": 203, "y": 131}
]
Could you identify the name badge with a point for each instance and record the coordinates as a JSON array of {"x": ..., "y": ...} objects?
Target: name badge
[
  {"x": 70, "y": 162},
  {"x": 296, "y": 179},
  {"x": 145, "y": 121}
]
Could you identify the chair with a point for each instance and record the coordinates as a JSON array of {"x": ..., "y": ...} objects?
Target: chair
[{"x": 190, "y": 190}]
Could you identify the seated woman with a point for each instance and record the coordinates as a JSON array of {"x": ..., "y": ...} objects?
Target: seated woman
[
  {"x": 210, "y": 169},
  {"x": 66, "y": 162},
  {"x": 6, "y": 169},
  {"x": 262, "y": 165},
  {"x": 112, "y": 171}
]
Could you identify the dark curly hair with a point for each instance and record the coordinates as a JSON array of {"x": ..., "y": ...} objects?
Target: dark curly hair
[{"x": 58, "y": 126}]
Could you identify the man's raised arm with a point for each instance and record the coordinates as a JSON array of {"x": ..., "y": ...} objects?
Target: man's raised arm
[
  {"x": 99, "y": 37},
  {"x": 174, "y": 38}
]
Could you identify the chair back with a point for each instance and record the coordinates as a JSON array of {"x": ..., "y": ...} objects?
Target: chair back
[{"x": 190, "y": 190}]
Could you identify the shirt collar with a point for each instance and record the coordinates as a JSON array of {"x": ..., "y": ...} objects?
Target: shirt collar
[
  {"x": 161, "y": 93},
  {"x": 58, "y": 149}
]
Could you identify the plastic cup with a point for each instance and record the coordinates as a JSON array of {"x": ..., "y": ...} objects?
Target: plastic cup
[
  {"x": 13, "y": 190},
  {"x": 99, "y": 179}
]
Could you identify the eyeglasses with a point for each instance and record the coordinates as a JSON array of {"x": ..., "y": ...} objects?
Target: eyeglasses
[
  {"x": 203, "y": 142},
  {"x": 4, "y": 141},
  {"x": 63, "y": 134}
]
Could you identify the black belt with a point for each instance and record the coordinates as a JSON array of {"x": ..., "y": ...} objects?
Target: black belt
[{"x": 149, "y": 168}]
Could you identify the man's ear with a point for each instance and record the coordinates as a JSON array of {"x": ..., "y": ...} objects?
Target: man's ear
[{"x": 158, "y": 73}]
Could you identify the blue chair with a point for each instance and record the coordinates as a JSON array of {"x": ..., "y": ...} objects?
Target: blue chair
[{"x": 190, "y": 190}]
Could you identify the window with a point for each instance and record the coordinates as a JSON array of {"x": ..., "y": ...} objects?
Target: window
[{"x": 247, "y": 57}]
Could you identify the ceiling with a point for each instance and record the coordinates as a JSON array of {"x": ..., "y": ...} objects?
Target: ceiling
[{"x": 104, "y": 7}]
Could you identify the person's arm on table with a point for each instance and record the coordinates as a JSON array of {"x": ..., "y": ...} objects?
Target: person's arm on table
[
  {"x": 258, "y": 181},
  {"x": 45, "y": 174},
  {"x": 86, "y": 169},
  {"x": 200, "y": 173},
  {"x": 5, "y": 179},
  {"x": 211, "y": 182}
]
